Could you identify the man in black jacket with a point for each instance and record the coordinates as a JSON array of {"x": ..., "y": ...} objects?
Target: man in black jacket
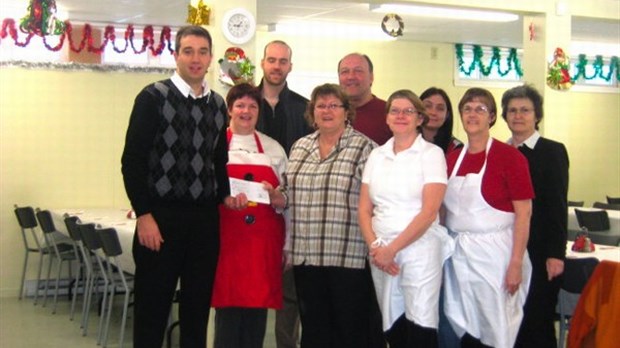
[{"x": 282, "y": 118}]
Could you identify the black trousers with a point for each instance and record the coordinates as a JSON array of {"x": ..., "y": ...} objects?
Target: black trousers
[
  {"x": 537, "y": 328},
  {"x": 189, "y": 253},
  {"x": 334, "y": 306},
  {"x": 237, "y": 327},
  {"x": 406, "y": 334}
]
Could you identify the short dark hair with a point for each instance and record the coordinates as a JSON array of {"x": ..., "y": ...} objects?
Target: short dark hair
[
  {"x": 414, "y": 99},
  {"x": 371, "y": 67},
  {"x": 326, "y": 90},
  {"x": 242, "y": 90},
  {"x": 444, "y": 133},
  {"x": 524, "y": 92},
  {"x": 194, "y": 30},
  {"x": 482, "y": 95}
]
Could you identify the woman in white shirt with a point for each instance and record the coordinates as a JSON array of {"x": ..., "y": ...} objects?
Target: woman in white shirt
[{"x": 402, "y": 189}]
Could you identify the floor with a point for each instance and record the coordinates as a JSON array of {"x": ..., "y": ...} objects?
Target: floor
[{"x": 22, "y": 324}]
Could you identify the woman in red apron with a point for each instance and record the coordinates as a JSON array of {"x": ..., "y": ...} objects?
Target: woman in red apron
[{"x": 248, "y": 280}]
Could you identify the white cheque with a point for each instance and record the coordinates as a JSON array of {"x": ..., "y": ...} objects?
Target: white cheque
[{"x": 255, "y": 191}]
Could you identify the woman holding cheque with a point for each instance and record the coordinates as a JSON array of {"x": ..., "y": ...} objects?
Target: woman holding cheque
[
  {"x": 403, "y": 185},
  {"x": 248, "y": 280}
]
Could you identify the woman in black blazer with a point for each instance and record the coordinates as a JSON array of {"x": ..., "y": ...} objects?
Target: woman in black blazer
[{"x": 522, "y": 109}]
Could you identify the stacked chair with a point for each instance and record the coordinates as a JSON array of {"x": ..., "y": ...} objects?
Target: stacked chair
[
  {"x": 82, "y": 274},
  {"x": 96, "y": 272},
  {"x": 33, "y": 243},
  {"x": 119, "y": 280},
  {"x": 61, "y": 252}
]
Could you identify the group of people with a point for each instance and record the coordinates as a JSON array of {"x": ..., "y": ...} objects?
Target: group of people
[{"x": 381, "y": 227}]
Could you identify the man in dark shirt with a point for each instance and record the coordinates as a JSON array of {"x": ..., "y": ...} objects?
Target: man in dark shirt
[
  {"x": 355, "y": 73},
  {"x": 282, "y": 118},
  {"x": 174, "y": 170}
]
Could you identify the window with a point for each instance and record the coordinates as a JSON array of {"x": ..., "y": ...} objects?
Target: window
[
  {"x": 487, "y": 64},
  {"x": 129, "y": 57},
  {"x": 35, "y": 51},
  {"x": 596, "y": 71}
]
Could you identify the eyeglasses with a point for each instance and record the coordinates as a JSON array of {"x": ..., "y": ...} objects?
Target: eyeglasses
[
  {"x": 521, "y": 111},
  {"x": 478, "y": 110},
  {"x": 407, "y": 111},
  {"x": 328, "y": 106}
]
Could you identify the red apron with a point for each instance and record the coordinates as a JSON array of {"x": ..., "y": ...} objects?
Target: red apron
[{"x": 249, "y": 270}]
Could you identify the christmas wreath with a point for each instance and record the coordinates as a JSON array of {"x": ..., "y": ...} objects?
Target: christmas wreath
[
  {"x": 557, "y": 73},
  {"x": 236, "y": 68}
]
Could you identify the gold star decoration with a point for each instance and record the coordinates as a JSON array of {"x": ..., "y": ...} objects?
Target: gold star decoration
[{"x": 198, "y": 15}]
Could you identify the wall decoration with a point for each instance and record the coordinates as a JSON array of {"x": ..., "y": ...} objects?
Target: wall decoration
[
  {"x": 41, "y": 19},
  {"x": 512, "y": 61},
  {"x": 104, "y": 68},
  {"x": 598, "y": 66},
  {"x": 558, "y": 76},
  {"x": 236, "y": 68},
  {"x": 87, "y": 40},
  {"x": 198, "y": 15},
  {"x": 393, "y": 25}
]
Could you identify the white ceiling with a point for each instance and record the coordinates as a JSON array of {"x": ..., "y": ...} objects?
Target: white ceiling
[{"x": 174, "y": 13}]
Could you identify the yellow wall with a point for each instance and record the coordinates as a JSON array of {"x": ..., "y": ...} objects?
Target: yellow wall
[{"x": 62, "y": 132}]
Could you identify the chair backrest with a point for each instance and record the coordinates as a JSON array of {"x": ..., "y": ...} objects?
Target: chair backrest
[
  {"x": 46, "y": 221},
  {"x": 25, "y": 217},
  {"x": 603, "y": 238},
  {"x": 110, "y": 242},
  {"x": 89, "y": 236},
  {"x": 613, "y": 200},
  {"x": 72, "y": 227},
  {"x": 577, "y": 272},
  {"x": 606, "y": 206},
  {"x": 575, "y": 203},
  {"x": 595, "y": 220}
]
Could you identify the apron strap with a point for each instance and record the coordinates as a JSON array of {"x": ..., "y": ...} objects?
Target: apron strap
[{"x": 229, "y": 135}]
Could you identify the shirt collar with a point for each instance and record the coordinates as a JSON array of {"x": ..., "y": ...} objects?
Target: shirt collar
[
  {"x": 388, "y": 147},
  {"x": 529, "y": 142},
  {"x": 185, "y": 88}
]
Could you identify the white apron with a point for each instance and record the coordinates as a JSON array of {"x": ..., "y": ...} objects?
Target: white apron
[
  {"x": 415, "y": 290},
  {"x": 476, "y": 301}
]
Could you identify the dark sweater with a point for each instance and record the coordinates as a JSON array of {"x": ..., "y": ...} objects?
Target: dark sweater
[{"x": 175, "y": 149}]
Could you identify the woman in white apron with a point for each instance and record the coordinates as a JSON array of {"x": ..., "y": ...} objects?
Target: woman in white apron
[
  {"x": 248, "y": 279},
  {"x": 488, "y": 208},
  {"x": 402, "y": 189}
]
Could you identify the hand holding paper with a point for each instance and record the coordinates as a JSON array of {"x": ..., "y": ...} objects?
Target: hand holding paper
[{"x": 254, "y": 191}]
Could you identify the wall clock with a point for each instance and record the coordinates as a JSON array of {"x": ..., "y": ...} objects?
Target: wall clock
[{"x": 238, "y": 25}]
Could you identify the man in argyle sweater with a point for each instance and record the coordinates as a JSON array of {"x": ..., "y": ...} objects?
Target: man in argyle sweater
[{"x": 174, "y": 170}]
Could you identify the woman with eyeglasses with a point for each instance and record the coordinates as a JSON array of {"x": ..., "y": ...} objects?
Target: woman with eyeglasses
[
  {"x": 488, "y": 206},
  {"x": 248, "y": 279},
  {"x": 403, "y": 185},
  {"x": 323, "y": 180},
  {"x": 522, "y": 109},
  {"x": 438, "y": 129}
]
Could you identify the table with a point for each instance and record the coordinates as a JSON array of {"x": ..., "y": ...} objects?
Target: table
[
  {"x": 601, "y": 252},
  {"x": 105, "y": 217}
]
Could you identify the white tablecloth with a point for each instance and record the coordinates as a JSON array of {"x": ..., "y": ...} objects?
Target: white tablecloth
[
  {"x": 105, "y": 217},
  {"x": 601, "y": 252},
  {"x": 614, "y": 219}
]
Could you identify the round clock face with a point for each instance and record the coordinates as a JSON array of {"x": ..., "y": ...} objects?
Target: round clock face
[{"x": 238, "y": 26}]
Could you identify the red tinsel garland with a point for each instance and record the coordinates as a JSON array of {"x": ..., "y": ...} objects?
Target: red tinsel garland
[{"x": 9, "y": 29}]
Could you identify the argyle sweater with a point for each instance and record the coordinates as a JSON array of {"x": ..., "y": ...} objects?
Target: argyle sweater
[{"x": 175, "y": 149}]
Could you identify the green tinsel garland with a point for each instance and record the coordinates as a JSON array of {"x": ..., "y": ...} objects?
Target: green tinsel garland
[{"x": 513, "y": 63}]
